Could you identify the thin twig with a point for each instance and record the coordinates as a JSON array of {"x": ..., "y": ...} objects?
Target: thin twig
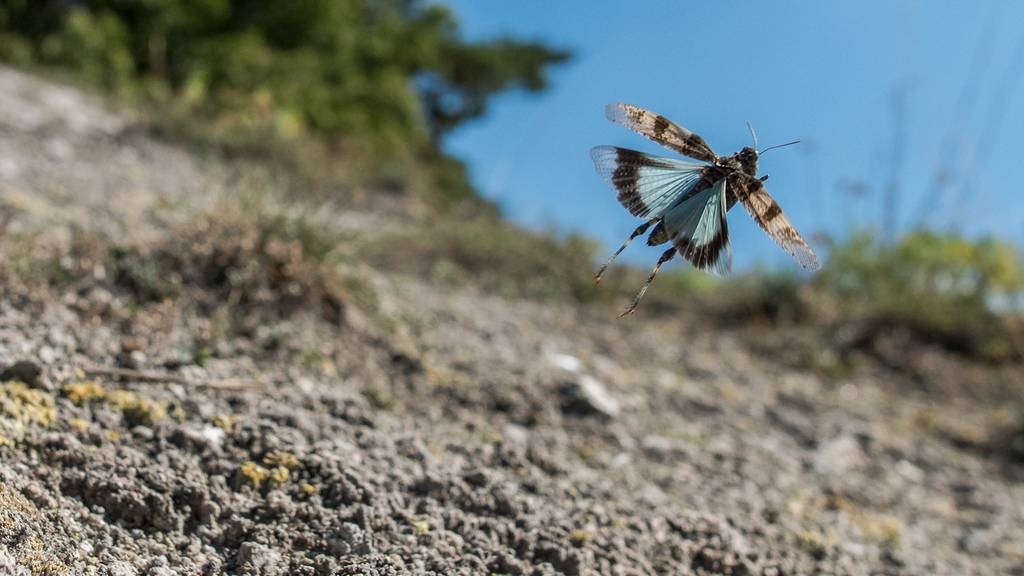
[{"x": 234, "y": 384}]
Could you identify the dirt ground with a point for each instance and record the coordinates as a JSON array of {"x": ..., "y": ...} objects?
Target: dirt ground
[{"x": 443, "y": 431}]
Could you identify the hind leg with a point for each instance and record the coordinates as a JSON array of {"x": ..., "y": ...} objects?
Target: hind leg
[
  {"x": 639, "y": 230},
  {"x": 665, "y": 257}
]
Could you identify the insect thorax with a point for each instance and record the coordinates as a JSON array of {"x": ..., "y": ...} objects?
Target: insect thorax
[{"x": 747, "y": 160}]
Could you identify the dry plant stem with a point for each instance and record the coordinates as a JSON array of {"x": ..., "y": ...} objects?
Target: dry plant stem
[
  {"x": 1015, "y": 327},
  {"x": 232, "y": 384}
]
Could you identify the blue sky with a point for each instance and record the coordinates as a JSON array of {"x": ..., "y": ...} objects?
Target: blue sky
[{"x": 832, "y": 74}]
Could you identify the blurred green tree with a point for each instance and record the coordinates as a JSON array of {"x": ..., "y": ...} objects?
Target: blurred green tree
[
  {"x": 392, "y": 73},
  {"x": 943, "y": 287}
]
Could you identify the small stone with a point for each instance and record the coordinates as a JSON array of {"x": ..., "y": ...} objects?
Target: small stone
[
  {"x": 59, "y": 149},
  {"x": 24, "y": 371},
  {"x": 621, "y": 460},
  {"x": 657, "y": 445},
  {"x": 48, "y": 354},
  {"x": 349, "y": 539},
  {"x": 10, "y": 565},
  {"x": 838, "y": 456},
  {"x": 121, "y": 568},
  {"x": 564, "y": 361},
  {"x": 214, "y": 435},
  {"x": 516, "y": 434},
  {"x": 258, "y": 558},
  {"x": 588, "y": 396}
]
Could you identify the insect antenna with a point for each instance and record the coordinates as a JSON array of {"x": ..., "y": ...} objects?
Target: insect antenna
[
  {"x": 639, "y": 230},
  {"x": 753, "y": 134},
  {"x": 668, "y": 254},
  {"x": 778, "y": 146}
]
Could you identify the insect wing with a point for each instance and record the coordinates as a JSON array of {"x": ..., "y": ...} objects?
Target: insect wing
[
  {"x": 699, "y": 230},
  {"x": 646, "y": 185},
  {"x": 661, "y": 130},
  {"x": 769, "y": 216}
]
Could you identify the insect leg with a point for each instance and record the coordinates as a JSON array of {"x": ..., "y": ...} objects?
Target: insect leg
[
  {"x": 665, "y": 257},
  {"x": 639, "y": 230}
]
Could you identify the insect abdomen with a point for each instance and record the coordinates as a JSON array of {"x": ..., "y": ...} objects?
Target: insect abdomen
[{"x": 658, "y": 235}]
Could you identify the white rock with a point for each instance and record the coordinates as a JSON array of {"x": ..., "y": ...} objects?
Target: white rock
[
  {"x": 587, "y": 394},
  {"x": 121, "y": 568},
  {"x": 564, "y": 361},
  {"x": 213, "y": 434},
  {"x": 837, "y": 456}
]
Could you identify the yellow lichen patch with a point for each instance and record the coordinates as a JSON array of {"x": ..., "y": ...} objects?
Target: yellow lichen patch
[
  {"x": 20, "y": 402},
  {"x": 587, "y": 452},
  {"x": 178, "y": 413},
  {"x": 279, "y": 475},
  {"x": 81, "y": 393},
  {"x": 580, "y": 536},
  {"x": 308, "y": 488},
  {"x": 18, "y": 516},
  {"x": 282, "y": 458},
  {"x": 378, "y": 397},
  {"x": 328, "y": 368},
  {"x": 225, "y": 422},
  {"x": 490, "y": 436},
  {"x": 13, "y": 501},
  {"x": 22, "y": 407},
  {"x": 813, "y": 542},
  {"x": 252, "y": 473},
  {"x": 136, "y": 409},
  {"x": 78, "y": 424},
  {"x": 441, "y": 376},
  {"x": 421, "y": 526},
  {"x": 879, "y": 528}
]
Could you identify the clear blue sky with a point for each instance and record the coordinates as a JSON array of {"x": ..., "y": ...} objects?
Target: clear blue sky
[{"x": 828, "y": 73}]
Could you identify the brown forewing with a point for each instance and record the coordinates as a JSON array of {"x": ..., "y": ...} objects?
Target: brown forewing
[
  {"x": 768, "y": 215},
  {"x": 661, "y": 130}
]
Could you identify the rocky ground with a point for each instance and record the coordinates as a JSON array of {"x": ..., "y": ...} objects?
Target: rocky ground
[{"x": 408, "y": 428}]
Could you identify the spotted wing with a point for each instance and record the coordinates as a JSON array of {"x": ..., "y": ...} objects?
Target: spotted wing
[
  {"x": 661, "y": 130},
  {"x": 766, "y": 212},
  {"x": 647, "y": 185},
  {"x": 699, "y": 231}
]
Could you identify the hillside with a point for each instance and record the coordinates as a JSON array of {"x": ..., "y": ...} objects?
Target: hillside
[{"x": 286, "y": 407}]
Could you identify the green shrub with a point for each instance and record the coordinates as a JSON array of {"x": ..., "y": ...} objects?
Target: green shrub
[
  {"x": 940, "y": 287},
  {"x": 385, "y": 78},
  {"x": 96, "y": 46}
]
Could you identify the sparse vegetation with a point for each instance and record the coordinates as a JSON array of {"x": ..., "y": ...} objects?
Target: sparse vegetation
[
  {"x": 940, "y": 288},
  {"x": 381, "y": 82},
  {"x": 259, "y": 254},
  {"x": 497, "y": 256}
]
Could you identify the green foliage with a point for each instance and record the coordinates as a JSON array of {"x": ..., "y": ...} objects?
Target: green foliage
[
  {"x": 385, "y": 74},
  {"x": 95, "y": 44},
  {"x": 925, "y": 265},
  {"x": 461, "y": 83},
  {"x": 941, "y": 287}
]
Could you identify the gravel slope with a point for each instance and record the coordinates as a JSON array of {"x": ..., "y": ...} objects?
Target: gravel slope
[{"x": 442, "y": 431}]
